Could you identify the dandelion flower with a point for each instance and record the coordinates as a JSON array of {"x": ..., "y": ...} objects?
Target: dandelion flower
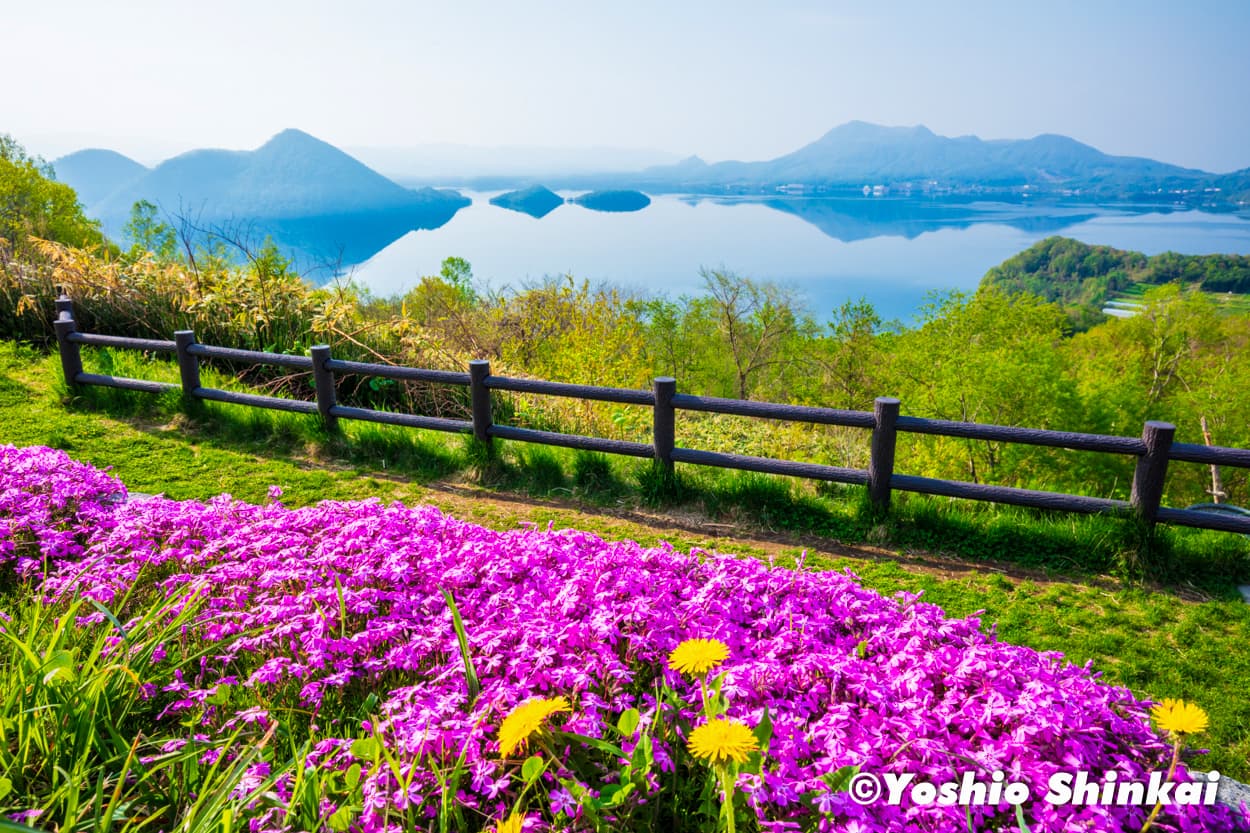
[
  {"x": 698, "y": 656},
  {"x": 526, "y": 719},
  {"x": 720, "y": 740},
  {"x": 512, "y": 824},
  {"x": 1179, "y": 717}
]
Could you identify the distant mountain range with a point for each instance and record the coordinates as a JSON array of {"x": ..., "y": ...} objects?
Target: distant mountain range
[
  {"x": 317, "y": 199},
  {"x": 292, "y": 181},
  {"x": 96, "y": 174},
  {"x": 296, "y": 175},
  {"x": 917, "y": 160}
]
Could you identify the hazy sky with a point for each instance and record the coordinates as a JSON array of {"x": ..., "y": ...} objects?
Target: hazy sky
[{"x": 722, "y": 79}]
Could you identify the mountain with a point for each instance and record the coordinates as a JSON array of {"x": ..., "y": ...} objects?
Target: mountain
[
  {"x": 96, "y": 173},
  {"x": 319, "y": 204},
  {"x": 858, "y": 153},
  {"x": 293, "y": 175}
]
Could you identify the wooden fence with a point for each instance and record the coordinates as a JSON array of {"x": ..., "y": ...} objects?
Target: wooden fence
[{"x": 1153, "y": 450}]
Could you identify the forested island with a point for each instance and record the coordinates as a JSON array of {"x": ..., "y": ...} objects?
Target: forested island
[
  {"x": 1083, "y": 279},
  {"x": 536, "y": 201},
  {"x": 616, "y": 200}
]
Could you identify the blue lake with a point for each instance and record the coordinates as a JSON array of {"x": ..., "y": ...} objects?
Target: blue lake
[{"x": 890, "y": 251}]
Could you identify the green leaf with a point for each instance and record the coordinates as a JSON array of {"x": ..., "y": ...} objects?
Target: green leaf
[
  {"x": 628, "y": 722},
  {"x": 113, "y": 620},
  {"x": 366, "y": 749},
  {"x": 59, "y": 666},
  {"x": 1024, "y": 827},
  {"x": 532, "y": 768},
  {"x": 614, "y": 794},
  {"x": 840, "y": 779},
  {"x": 594, "y": 743},
  {"x": 643, "y": 756},
  {"x": 861, "y": 650},
  {"x": 462, "y": 638},
  {"x": 371, "y": 703},
  {"x": 352, "y": 776},
  {"x": 6, "y": 786},
  {"x": 221, "y": 696},
  {"x": 763, "y": 731},
  {"x": 341, "y": 819}
]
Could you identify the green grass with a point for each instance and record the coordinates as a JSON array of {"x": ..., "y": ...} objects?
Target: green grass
[
  {"x": 1231, "y": 302},
  {"x": 1033, "y": 576},
  {"x": 83, "y": 748},
  {"x": 297, "y": 453}
]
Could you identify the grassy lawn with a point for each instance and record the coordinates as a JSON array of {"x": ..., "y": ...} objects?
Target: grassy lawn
[{"x": 1161, "y": 641}]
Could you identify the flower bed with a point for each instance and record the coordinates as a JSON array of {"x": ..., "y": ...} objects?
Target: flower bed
[{"x": 320, "y": 607}]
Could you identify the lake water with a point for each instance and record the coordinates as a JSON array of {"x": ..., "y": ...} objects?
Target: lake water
[{"x": 889, "y": 251}]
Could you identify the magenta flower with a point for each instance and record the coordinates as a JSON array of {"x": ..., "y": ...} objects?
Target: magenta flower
[{"x": 303, "y": 607}]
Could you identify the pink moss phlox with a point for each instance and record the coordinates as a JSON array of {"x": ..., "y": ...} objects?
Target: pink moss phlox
[{"x": 848, "y": 676}]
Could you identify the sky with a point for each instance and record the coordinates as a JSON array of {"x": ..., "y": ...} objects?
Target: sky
[{"x": 721, "y": 79}]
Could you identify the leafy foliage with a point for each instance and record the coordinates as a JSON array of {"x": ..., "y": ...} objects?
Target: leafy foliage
[
  {"x": 34, "y": 204},
  {"x": 1004, "y": 355},
  {"x": 1083, "y": 278}
]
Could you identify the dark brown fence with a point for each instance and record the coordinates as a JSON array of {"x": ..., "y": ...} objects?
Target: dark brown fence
[{"x": 1153, "y": 450}]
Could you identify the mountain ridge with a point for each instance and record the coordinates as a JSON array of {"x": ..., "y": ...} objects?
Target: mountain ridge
[
  {"x": 95, "y": 173},
  {"x": 858, "y": 153},
  {"x": 295, "y": 175},
  {"x": 292, "y": 176}
]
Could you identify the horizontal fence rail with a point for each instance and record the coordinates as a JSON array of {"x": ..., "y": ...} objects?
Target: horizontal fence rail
[{"x": 1153, "y": 450}]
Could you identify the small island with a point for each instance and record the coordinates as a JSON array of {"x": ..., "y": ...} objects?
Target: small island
[
  {"x": 536, "y": 201},
  {"x": 613, "y": 200}
]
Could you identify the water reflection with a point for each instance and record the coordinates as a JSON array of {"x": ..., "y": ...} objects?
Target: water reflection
[{"x": 891, "y": 251}]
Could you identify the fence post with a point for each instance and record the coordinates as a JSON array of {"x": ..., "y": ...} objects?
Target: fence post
[
  {"x": 663, "y": 421},
  {"x": 323, "y": 381},
  {"x": 1152, "y": 468},
  {"x": 881, "y": 461},
  {"x": 479, "y": 395},
  {"x": 188, "y": 365},
  {"x": 71, "y": 353}
]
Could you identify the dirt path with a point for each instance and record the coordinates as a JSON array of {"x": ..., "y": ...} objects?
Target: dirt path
[{"x": 686, "y": 528}]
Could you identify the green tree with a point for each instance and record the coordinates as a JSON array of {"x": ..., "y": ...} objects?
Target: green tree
[
  {"x": 570, "y": 331},
  {"x": 846, "y": 359},
  {"x": 149, "y": 235},
  {"x": 756, "y": 321},
  {"x": 34, "y": 204},
  {"x": 457, "y": 272},
  {"x": 993, "y": 358},
  {"x": 1177, "y": 359},
  {"x": 452, "y": 318},
  {"x": 676, "y": 343}
]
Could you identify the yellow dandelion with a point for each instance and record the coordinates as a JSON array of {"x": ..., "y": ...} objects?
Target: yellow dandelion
[
  {"x": 698, "y": 656},
  {"x": 1179, "y": 717},
  {"x": 720, "y": 740},
  {"x": 512, "y": 824},
  {"x": 526, "y": 719}
]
